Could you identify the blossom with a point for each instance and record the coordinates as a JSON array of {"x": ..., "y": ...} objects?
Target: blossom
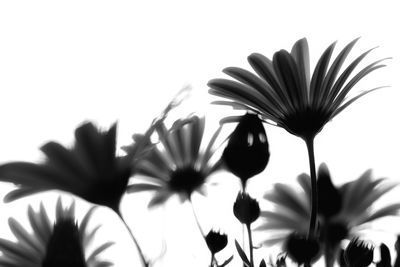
[
  {"x": 357, "y": 197},
  {"x": 285, "y": 93},
  {"x": 358, "y": 253},
  {"x": 90, "y": 169},
  {"x": 62, "y": 244},
  {"x": 246, "y": 209},
  {"x": 216, "y": 241},
  {"x": 177, "y": 165}
]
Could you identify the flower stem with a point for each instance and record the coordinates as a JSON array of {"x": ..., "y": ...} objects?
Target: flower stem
[
  {"x": 314, "y": 192},
  {"x": 141, "y": 255},
  {"x": 250, "y": 244},
  {"x": 212, "y": 260}
]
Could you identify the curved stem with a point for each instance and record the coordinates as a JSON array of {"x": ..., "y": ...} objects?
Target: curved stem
[
  {"x": 314, "y": 192},
  {"x": 197, "y": 220},
  {"x": 141, "y": 255},
  {"x": 250, "y": 244}
]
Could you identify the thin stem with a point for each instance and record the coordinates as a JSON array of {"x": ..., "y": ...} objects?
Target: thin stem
[
  {"x": 250, "y": 244},
  {"x": 212, "y": 260},
  {"x": 141, "y": 255},
  {"x": 314, "y": 192}
]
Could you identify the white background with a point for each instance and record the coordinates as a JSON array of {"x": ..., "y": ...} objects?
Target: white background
[{"x": 64, "y": 62}]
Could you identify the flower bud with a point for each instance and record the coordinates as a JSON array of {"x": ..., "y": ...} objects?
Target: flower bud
[
  {"x": 216, "y": 241},
  {"x": 302, "y": 249},
  {"x": 329, "y": 197},
  {"x": 358, "y": 253},
  {"x": 247, "y": 151},
  {"x": 246, "y": 208}
]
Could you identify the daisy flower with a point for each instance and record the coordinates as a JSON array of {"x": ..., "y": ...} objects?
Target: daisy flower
[
  {"x": 62, "y": 244},
  {"x": 177, "y": 166}
]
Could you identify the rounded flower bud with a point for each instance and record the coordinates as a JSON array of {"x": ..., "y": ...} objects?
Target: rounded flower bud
[
  {"x": 329, "y": 197},
  {"x": 216, "y": 241},
  {"x": 247, "y": 151},
  {"x": 302, "y": 249},
  {"x": 246, "y": 208},
  {"x": 358, "y": 253}
]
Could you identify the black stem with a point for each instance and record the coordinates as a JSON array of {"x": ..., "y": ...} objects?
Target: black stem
[
  {"x": 141, "y": 255},
  {"x": 314, "y": 192},
  {"x": 250, "y": 245},
  {"x": 212, "y": 260}
]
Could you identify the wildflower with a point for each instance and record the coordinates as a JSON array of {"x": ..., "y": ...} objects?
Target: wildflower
[
  {"x": 90, "y": 169},
  {"x": 302, "y": 249},
  {"x": 287, "y": 95},
  {"x": 358, "y": 253},
  {"x": 246, "y": 208},
  {"x": 177, "y": 165},
  {"x": 216, "y": 241},
  {"x": 62, "y": 244},
  {"x": 247, "y": 151},
  {"x": 357, "y": 197}
]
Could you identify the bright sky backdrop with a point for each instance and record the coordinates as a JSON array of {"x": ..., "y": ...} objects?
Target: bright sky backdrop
[{"x": 65, "y": 62}]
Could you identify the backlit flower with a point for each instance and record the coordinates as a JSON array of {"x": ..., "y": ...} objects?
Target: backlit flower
[
  {"x": 246, "y": 209},
  {"x": 62, "y": 244},
  {"x": 285, "y": 93},
  {"x": 292, "y": 208},
  {"x": 177, "y": 165},
  {"x": 90, "y": 169},
  {"x": 358, "y": 253},
  {"x": 216, "y": 241}
]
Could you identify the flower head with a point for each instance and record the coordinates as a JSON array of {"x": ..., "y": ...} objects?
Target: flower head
[
  {"x": 247, "y": 151},
  {"x": 90, "y": 169},
  {"x": 60, "y": 244},
  {"x": 246, "y": 209},
  {"x": 284, "y": 91},
  {"x": 177, "y": 165},
  {"x": 216, "y": 241},
  {"x": 357, "y": 199},
  {"x": 358, "y": 253},
  {"x": 302, "y": 249}
]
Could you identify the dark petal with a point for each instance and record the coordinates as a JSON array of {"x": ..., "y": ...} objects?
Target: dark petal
[
  {"x": 329, "y": 197},
  {"x": 247, "y": 151},
  {"x": 301, "y": 249},
  {"x": 300, "y": 54},
  {"x": 319, "y": 75},
  {"x": 334, "y": 69},
  {"x": 286, "y": 70}
]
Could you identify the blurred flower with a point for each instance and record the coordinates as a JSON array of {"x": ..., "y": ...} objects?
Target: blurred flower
[
  {"x": 90, "y": 169},
  {"x": 62, "y": 244},
  {"x": 292, "y": 207},
  {"x": 247, "y": 151},
  {"x": 302, "y": 249},
  {"x": 177, "y": 165},
  {"x": 358, "y": 253},
  {"x": 246, "y": 209},
  {"x": 286, "y": 94},
  {"x": 216, "y": 241}
]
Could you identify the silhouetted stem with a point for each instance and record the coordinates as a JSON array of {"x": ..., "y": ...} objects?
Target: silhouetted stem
[
  {"x": 314, "y": 193},
  {"x": 141, "y": 255},
  {"x": 212, "y": 260},
  {"x": 250, "y": 244}
]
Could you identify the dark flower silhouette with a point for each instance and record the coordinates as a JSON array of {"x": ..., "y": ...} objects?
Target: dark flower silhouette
[
  {"x": 90, "y": 170},
  {"x": 178, "y": 165},
  {"x": 62, "y": 244},
  {"x": 302, "y": 249},
  {"x": 247, "y": 151},
  {"x": 358, "y": 253},
  {"x": 386, "y": 259},
  {"x": 357, "y": 199},
  {"x": 286, "y": 95},
  {"x": 246, "y": 209},
  {"x": 216, "y": 241}
]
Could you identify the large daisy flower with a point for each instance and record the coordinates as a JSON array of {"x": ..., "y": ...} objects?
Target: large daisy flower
[
  {"x": 342, "y": 211},
  {"x": 285, "y": 93},
  {"x": 61, "y": 244},
  {"x": 177, "y": 165},
  {"x": 90, "y": 169}
]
